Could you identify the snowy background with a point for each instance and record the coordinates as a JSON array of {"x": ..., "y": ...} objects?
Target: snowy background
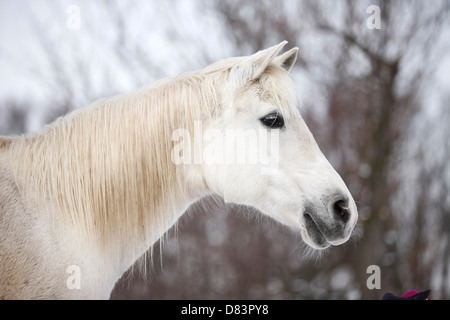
[{"x": 377, "y": 101}]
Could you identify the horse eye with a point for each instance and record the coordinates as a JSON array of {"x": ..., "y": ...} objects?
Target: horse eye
[{"x": 273, "y": 120}]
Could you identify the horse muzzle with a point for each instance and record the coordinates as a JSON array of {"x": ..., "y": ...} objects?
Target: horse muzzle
[{"x": 329, "y": 225}]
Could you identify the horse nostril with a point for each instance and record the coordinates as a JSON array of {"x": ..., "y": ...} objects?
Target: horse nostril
[{"x": 342, "y": 210}]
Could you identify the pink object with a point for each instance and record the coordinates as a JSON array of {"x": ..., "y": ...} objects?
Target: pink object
[{"x": 410, "y": 293}]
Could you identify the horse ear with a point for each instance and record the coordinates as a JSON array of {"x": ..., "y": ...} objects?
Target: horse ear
[
  {"x": 287, "y": 59},
  {"x": 253, "y": 66}
]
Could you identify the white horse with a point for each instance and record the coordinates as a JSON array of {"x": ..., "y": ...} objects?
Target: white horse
[{"x": 84, "y": 198}]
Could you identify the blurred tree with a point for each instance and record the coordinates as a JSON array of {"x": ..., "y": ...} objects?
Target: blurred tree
[
  {"x": 13, "y": 118},
  {"x": 373, "y": 112}
]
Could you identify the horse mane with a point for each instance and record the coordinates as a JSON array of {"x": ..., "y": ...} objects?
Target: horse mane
[
  {"x": 107, "y": 168},
  {"x": 5, "y": 142}
]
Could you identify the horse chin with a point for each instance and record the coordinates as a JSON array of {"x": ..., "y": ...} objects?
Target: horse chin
[
  {"x": 312, "y": 234},
  {"x": 316, "y": 244}
]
